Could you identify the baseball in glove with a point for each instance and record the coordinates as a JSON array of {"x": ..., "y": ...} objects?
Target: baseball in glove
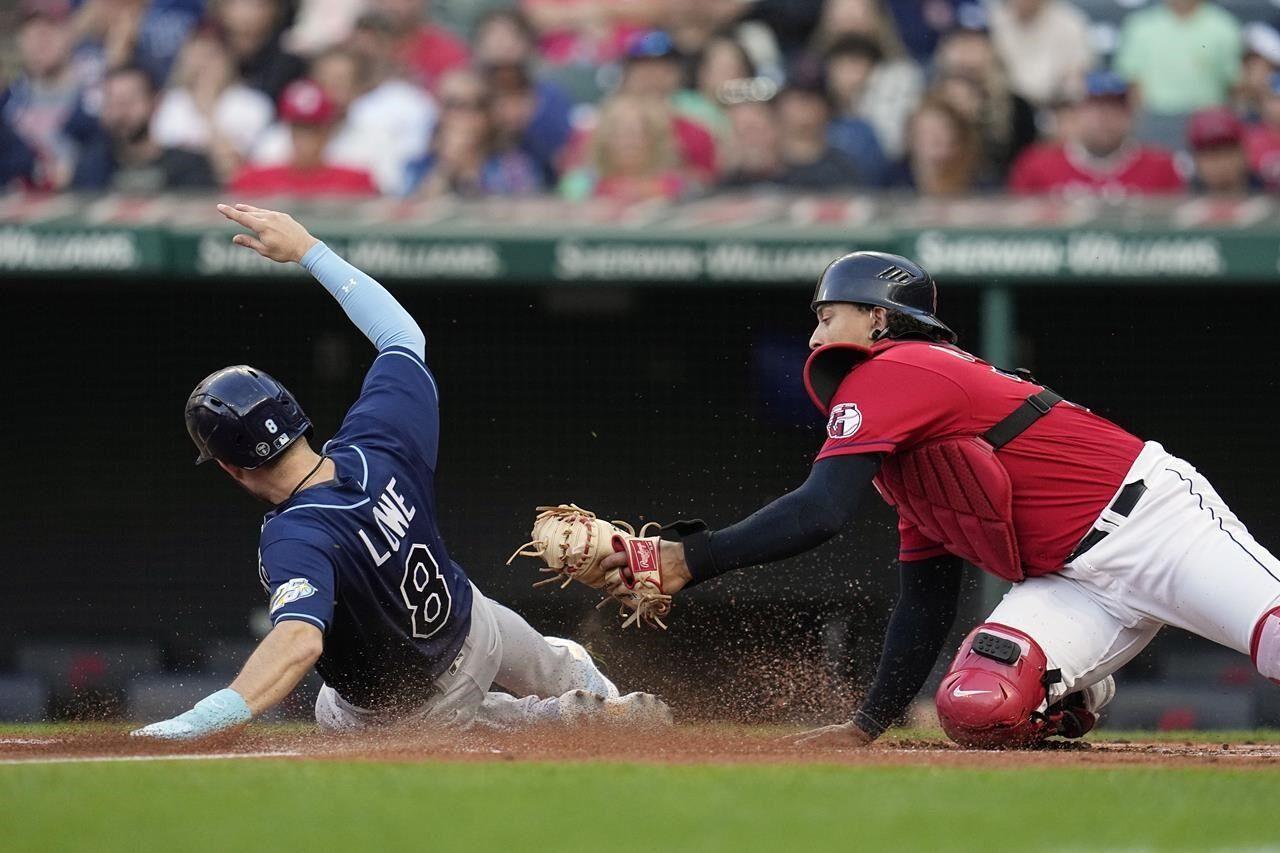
[{"x": 572, "y": 542}]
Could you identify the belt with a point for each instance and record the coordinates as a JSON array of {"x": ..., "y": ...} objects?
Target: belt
[{"x": 1121, "y": 506}]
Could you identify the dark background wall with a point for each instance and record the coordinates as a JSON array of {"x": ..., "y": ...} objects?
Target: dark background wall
[{"x": 640, "y": 403}]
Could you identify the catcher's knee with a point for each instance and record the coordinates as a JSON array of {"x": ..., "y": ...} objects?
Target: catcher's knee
[
  {"x": 995, "y": 691},
  {"x": 1265, "y": 647}
]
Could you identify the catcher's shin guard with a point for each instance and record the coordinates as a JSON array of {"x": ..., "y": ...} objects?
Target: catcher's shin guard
[
  {"x": 1265, "y": 646},
  {"x": 993, "y": 695}
]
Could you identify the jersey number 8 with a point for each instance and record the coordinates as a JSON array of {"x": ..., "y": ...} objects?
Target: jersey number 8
[{"x": 425, "y": 592}]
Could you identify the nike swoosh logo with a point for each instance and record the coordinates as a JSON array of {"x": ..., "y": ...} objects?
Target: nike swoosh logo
[{"x": 959, "y": 692}]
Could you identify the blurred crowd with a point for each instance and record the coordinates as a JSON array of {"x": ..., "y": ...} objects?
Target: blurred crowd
[{"x": 637, "y": 99}]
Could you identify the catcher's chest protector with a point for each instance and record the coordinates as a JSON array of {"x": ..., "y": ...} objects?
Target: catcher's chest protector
[{"x": 955, "y": 490}]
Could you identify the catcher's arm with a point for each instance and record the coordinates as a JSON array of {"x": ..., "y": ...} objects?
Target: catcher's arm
[
  {"x": 928, "y": 594},
  {"x": 796, "y": 522}
]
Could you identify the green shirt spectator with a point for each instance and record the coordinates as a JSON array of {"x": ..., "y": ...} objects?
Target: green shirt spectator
[{"x": 1183, "y": 54}]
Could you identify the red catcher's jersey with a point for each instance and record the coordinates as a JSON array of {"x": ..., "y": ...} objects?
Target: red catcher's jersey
[
  {"x": 1056, "y": 168},
  {"x": 1065, "y": 468}
]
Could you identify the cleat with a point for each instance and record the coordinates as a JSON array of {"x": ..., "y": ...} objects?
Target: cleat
[{"x": 1075, "y": 715}]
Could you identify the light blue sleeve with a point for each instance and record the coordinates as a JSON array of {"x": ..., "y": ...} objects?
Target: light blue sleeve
[{"x": 369, "y": 306}]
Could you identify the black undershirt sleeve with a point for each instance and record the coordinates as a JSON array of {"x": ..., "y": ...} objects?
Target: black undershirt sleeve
[
  {"x": 927, "y": 599},
  {"x": 800, "y": 520}
]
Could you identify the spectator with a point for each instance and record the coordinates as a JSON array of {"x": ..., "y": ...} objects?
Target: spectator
[
  {"x": 322, "y": 24},
  {"x": 848, "y": 66},
  {"x": 972, "y": 79},
  {"x": 382, "y": 123},
  {"x": 206, "y": 109},
  {"x": 1044, "y": 47},
  {"x": 809, "y": 160},
  {"x": 693, "y": 26},
  {"x": 251, "y": 30},
  {"x": 896, "y": 82},
  {"x": 504, "y": 37},
  {"x": 39, "y": 102},
  {"x": 921, "y": 23},
  {"x": 1261, "y": 61},
  {"x": 107, "y": 32},
  {"x": 390, "y": 108},
  {"x": 721, "y": 61},
  {"x": 311, "y": 116},
  {"x": 1104, "y": 158},
  {"x": 1262, "y": 140},
  {"x": 753, "y": 155},
  {"x": 465, "y": 158},
  {"x": 944, "y": 150},
  {"x": 654, "y": 69},
  {"x": 146, "y": 33},
  {"x": 17, "y": 160},
  {"x": 122, "y": 156},
  {"x": 632, "y": 156},
  {"x": 590, "y": 32},
  {"x": 366, "y": 137},
  {"x": 1215, "y": 136},
  {"x": 1181, "y": 54},
  {"x": 514, "y": 108},
  {"x": 426, "y": 52}
]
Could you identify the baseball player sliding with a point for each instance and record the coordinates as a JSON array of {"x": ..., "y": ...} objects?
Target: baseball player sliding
[
  {"x": 361, "y": 584},
  {"x": 1106, "y": 538}
]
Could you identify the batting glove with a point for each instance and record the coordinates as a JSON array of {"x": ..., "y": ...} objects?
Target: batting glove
[{"x": 215, "y": 713}]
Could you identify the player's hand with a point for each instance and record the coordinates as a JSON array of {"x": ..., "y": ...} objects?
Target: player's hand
[
  {"x": 215, "y": 713},
  {"x": 276, "y": 235},
  {"x": 675, "y": 571},
  {"x": 841, "y": 736},
  {"x": 175, "y": 729}
]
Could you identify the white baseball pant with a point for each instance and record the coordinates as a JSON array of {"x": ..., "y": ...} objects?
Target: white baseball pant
[{"x": 1180, "y": 558}]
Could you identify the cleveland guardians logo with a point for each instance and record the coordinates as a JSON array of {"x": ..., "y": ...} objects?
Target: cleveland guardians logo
[{"x": 845, "y": 420}]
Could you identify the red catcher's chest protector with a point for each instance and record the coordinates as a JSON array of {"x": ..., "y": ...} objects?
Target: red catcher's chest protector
[{"x": 955, "y": 490}]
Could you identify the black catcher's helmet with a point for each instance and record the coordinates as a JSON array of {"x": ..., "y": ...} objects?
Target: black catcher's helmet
[
  {"x": 241, "y": 416},
  {"x": 890, "y": 281}
]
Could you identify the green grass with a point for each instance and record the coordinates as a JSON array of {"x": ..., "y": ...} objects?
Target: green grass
[
  {"x": 606, "y": 807},
  {"x": 313, "y": 806}
]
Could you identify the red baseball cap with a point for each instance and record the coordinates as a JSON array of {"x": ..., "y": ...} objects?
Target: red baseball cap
[
  {"x": 304, "y": 102},
  {"x": 1214, "y": 127}
]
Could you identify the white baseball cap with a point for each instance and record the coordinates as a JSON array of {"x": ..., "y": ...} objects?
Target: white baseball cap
[{"x": 1262, "y": 39}]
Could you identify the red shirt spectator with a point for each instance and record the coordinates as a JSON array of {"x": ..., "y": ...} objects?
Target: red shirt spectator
[
  {"x": 294, "y": 180},
  {"x": 1104, "y": 158},
  {"x": 432, "y": 51},
  {"x": 423, "y": 50},
  {"x": 311, "y": 116},
  {"x": 1059, "y": 167}
]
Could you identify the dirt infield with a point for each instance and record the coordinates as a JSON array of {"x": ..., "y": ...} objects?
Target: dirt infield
[{"x": 685, "y": 744}]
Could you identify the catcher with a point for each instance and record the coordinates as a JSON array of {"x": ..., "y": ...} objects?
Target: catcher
[{"x": 1106, "y": 538}]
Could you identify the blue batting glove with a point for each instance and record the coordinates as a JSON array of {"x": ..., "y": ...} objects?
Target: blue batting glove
[{"x": 217, "y": 712}]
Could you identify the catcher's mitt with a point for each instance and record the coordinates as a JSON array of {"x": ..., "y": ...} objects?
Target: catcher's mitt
[{"x": 572, "y": 542}]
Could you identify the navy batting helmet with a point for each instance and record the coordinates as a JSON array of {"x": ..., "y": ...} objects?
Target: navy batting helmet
[
  {"x": 241, "y": 416},
  {"x": 890, "y": 281}
]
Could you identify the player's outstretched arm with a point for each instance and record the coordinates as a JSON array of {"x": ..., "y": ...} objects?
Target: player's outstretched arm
[
  {"x": 796, "y": 522},
  {"x": 374, "y": 311},
  {"x": 272, "y": 671},
  {"x": 928, "y": 596}
]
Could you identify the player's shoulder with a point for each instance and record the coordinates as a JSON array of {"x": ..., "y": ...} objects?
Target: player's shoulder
[
  {"x": 925, "y": 355},
  {"x": 310, "y": 517}
]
